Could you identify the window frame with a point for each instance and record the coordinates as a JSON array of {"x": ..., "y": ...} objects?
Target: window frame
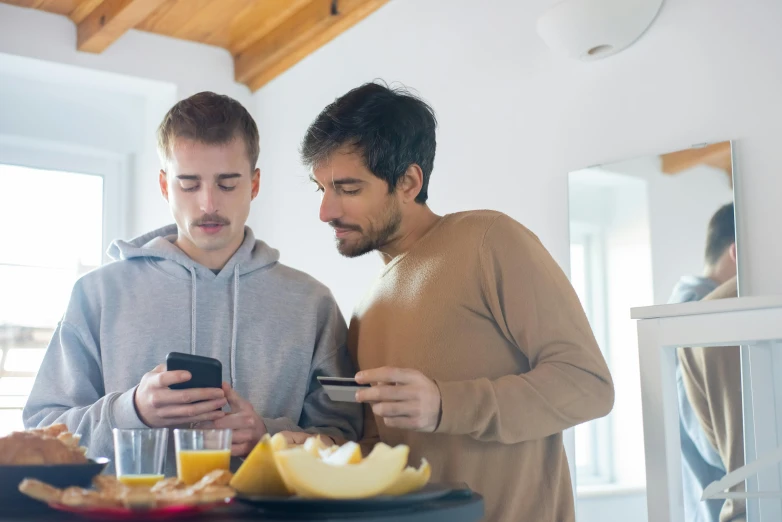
[
  {"x": 592, "y": 238},
  {"x": 112, "y": 167}
]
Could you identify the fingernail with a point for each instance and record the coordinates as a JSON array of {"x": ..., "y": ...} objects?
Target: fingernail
[
  {"x": 359, "y": 375},
  {"x": 358, "y": 396}
]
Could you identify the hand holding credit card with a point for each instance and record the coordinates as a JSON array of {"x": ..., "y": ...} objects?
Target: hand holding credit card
[{"x": 341, "y": 389}]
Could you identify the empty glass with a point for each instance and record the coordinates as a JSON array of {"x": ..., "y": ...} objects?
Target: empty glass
[{"x": 140, "y": 455}]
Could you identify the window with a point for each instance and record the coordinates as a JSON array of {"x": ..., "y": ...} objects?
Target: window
[
  {"x": 593, "y": 439},
  {"x": 56, "y": 228}
]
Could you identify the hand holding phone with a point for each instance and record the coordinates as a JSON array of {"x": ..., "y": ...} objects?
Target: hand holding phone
[
  {"x": 205, "y": 372},
  {"x": 160, "y": 404},
  {"x": 248, "y": 427}
]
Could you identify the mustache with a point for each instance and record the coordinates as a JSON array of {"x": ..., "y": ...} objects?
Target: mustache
[
  {"x": 211, "y": 219},
  {"x": 339, "y": 224}
]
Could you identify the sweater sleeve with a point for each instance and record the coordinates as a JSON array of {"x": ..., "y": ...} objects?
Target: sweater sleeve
[
  {"x": 537, "y": 310},
  {"x": 69, "y": 389}
]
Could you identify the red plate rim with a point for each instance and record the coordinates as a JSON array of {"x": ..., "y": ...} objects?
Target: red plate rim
[{"x": 122, "y": 512}]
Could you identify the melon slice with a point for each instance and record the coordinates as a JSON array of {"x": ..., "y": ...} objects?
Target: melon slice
[
  {"x": 308, "y": 476},
  {"x": 410, "y": 480},
  {"x": 258, "y": 474},
  {"x": 314, "y": 445},
  {"x": 324, "y": 453},
  {"x": 348, "y": 453},
  {"x": 279, "y": 442}
]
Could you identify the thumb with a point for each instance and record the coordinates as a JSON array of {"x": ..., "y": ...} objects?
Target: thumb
[{"x": 235, "y": 401}]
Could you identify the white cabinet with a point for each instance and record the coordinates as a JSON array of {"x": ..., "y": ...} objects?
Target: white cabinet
[{"x": 755, "y": 323}]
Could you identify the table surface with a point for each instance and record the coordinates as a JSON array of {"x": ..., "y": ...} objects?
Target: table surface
[{"x": 459, "y": 507}]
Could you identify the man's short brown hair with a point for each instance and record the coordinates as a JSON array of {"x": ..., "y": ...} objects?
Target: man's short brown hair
[{"x": 209, "y": 118}]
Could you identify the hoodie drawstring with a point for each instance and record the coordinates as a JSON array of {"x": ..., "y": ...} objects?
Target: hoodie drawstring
[
  {"x": 234, "y": 326},
  {"x": 234, "y": 322},
  {"x": 193, "y": 312}
]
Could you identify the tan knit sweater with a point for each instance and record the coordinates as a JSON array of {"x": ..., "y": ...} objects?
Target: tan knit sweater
[
  {"x": 479, "y": 305},
  {"x": 712, "y": 380}
]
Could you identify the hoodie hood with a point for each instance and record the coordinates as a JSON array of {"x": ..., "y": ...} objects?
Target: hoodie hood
[
  {"x": 158, "y": 248},
  {"x": 692, "y": 288}
]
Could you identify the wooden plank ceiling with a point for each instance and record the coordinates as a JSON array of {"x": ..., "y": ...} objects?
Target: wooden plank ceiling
[{"x": 265, "y": 37}]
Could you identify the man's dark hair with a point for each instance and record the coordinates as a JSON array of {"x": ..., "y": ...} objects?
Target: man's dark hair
[
  {"x": 390, "y": 128},
  {"x": 721, "y": 234},
  {"x": 213, "y": 119}
]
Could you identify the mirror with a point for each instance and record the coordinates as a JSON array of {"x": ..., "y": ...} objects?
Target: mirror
[{"x": 651, "y": 230}]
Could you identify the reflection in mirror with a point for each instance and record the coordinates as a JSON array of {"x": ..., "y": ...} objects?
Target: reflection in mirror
[
  {"x": 711, "y": 415},
  {"x": 652, "y": 230}
]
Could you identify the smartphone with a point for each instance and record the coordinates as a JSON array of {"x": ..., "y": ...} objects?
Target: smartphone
[
  {"x": 341, "y": 389},
  {"x": 205, "y": 372}
]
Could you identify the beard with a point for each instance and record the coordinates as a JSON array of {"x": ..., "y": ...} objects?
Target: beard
[{"x": 378, "y": 234}]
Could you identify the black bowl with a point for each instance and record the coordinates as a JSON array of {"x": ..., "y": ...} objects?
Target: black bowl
[{"x": 57, "y": 475}]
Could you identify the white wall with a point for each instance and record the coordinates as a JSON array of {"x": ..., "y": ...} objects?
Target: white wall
[
  {"x": 621, "y": 507},
  {"x": 85, "y": 96},
  {"x": 515, "y": 119}
]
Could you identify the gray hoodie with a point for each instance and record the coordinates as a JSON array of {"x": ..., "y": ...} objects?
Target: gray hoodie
[{"x": 273, "y": 328}]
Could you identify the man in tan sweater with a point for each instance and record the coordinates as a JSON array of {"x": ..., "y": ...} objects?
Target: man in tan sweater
[
  {"x": 712, "y": 381},
  {"x": 476, "y": 345}
]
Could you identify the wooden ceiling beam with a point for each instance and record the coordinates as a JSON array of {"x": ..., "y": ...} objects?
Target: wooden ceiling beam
[
  {"x": 309, "y": 28},
  {"x": 109, "y": 20},
  {"x": 83, "y": 10},
  {"x": 715, "y": 155}
]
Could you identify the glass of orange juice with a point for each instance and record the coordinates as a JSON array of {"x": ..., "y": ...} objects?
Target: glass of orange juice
[
  {"x": 139, "y": 455},
  {"x": 200, "y": 451}
]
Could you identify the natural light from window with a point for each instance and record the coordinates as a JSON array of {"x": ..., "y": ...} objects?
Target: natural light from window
[{"x": 53, "y": 235}]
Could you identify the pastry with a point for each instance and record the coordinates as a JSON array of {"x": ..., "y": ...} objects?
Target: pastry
[{"x": 25, "y": 448}]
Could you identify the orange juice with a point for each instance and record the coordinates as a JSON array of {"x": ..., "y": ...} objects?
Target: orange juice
[
  {"x": 136, "y": 481},
  {"x": 192, "y": 465}
]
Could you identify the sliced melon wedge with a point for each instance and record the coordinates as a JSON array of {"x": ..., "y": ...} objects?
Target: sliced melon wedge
[
  {"x": 314, "y": 445},
  {"x": 348, "y": 453},
  {"x": 308, "y": 476},
  {"x": 279, "y": 442},
  {"x": 258, "y": 474},
  {"x": 410, "y": 480},
  {"x": 324, "y": 453}
]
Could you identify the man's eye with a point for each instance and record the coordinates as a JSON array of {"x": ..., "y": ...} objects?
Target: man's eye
[
  {"x": 351, "y": 192},
  {"x": 227, "y": 188},
  {"x": 318, "y": 188},
  {"x": 190, "y": 188}
]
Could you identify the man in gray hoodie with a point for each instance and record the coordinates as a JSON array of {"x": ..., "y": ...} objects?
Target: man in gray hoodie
[{"x": 203, "y": 286}]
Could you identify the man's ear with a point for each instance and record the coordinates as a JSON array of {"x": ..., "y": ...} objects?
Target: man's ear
[
  {"x": 732, "y": 252},
  {"x": 163, "y": 181},
  {"x": 256, "y": 183},
  {"x": 411, "y": 183}
]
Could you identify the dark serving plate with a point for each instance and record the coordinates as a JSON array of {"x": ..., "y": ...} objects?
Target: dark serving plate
[
  {"x": 57, "y": 475},
  {"x": 313, "y": 506}
]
